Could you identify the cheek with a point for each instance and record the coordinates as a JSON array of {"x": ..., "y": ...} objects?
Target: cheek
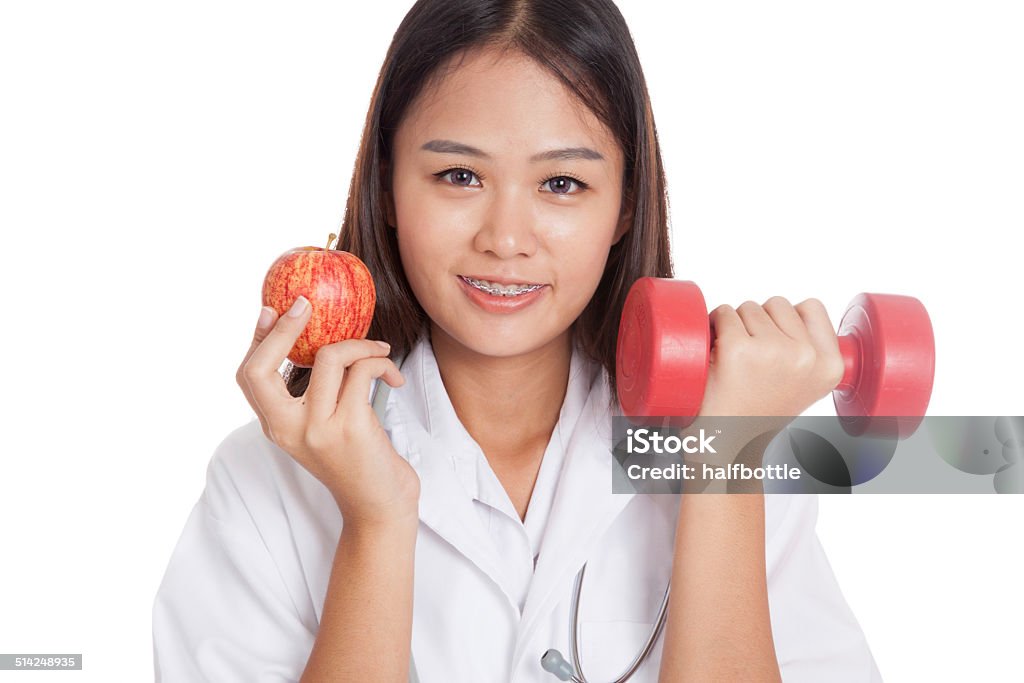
[
  {"x": 588, "y": 267},
  {"x": 432, "y": 235},
  {"x": 583, "y": 250},
  {"x": 414, "y": 251},
  {"x": 426, "y": 251}
]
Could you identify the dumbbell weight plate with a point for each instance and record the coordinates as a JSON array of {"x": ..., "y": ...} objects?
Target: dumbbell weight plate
[
  {"x": 886, "y": 392},
  {"x": 662, "y": 350}
]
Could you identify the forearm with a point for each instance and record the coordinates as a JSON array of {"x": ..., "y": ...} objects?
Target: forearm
[
  {"x": 718, "y": 626},
  {"x": 366, "y": 628}
]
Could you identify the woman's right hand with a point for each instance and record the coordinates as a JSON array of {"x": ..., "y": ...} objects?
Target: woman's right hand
[{"x": 332, "y": 430}]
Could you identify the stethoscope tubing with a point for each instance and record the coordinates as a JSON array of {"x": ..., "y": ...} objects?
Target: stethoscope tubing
[{"x": 577, "y": 662}]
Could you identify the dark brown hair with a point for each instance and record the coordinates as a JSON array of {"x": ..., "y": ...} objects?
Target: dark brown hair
[{"x": 587, "y": 46}]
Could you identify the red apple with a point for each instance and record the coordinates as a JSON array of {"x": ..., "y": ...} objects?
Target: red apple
[{"x": 340, "y": 291}]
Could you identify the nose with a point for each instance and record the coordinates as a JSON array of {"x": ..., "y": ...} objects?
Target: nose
[{"x": 507, "y": 227}]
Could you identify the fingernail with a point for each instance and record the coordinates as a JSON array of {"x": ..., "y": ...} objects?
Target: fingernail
[
  {"x": 266, "y": 315},
  {"x": 299, "y": 307},
  {"x": 387, "y": 347}
]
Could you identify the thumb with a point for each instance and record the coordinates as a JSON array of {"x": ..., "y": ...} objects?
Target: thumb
[
  {"x": 266, "y": 321},
  {"x": 264, "y": 324}
]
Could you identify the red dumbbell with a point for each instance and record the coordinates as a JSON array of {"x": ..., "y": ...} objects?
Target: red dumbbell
[{"x": 665, "y": 341}]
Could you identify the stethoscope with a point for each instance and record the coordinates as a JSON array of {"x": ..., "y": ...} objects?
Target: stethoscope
[{"x": 552, "y": 660}]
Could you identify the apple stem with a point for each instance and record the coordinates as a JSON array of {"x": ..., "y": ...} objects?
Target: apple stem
[{"x": 330, "y": 239}]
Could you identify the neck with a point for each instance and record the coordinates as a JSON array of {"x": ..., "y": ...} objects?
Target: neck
[{"x": 505, "y": 400}]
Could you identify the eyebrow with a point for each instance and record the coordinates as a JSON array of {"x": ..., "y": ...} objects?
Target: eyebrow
[{"x": 565, "y": 154}]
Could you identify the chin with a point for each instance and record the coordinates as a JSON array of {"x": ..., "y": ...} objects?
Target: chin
[
  {"x": 501, "y": 341},
  {"x": 498, "y": 345}
]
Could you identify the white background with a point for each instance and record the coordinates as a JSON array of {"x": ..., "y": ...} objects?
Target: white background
[{"x": 156, "y": 157}]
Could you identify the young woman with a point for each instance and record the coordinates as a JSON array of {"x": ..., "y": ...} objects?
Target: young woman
[{"x": 507, "y": 193}]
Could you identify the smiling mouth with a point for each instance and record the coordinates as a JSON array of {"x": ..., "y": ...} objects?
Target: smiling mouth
[{"x": 495, "y": 289}]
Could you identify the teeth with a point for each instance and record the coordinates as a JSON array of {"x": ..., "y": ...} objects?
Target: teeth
[{"x": 500, "y": 290}]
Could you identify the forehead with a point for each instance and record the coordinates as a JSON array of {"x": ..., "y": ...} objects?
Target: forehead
[{"x": 507, "y": 103}]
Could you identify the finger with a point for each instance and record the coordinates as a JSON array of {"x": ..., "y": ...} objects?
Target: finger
[
  {"x": 819, "y": 328},
  {"x": 725, "y": 322},
  {"x": 266, "y": 384},
  {"x": 328, "y": 374},
  {"x": 786, "y": 318},
  {"x": 268, "y": 316},
  {"x": 756, "y": 320},
  {"x": 356, "y": 392}
]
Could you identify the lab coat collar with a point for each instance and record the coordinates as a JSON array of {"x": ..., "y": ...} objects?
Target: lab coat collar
[
  {"x": 425, "y": 429},
  {"x": 467, "y": 459},
  {"x": 435, "y": 442}
]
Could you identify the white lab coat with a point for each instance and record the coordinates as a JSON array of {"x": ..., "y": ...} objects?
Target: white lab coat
[{"x": 242, "y": 596}]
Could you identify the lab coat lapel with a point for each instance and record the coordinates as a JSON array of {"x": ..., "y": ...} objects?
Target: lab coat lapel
[
  {"x": 446, "y": 509},
  {"x": 584, "y": 507},
  {"x": 429, "y": 434}
]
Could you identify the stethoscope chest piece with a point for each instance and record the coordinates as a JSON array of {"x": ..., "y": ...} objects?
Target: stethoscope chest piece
[{"x": 554, "y": 663}]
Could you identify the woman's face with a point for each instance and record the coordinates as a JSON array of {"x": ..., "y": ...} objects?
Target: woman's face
[{"x": 483, "y": 196}]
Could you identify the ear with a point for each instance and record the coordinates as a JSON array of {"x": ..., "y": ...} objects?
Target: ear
[
  {"x": 388, "y": 197},
  {"x": 625, "y": 217}
]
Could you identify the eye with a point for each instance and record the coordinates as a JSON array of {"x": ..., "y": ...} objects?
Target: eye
[
  {"x": 460, "y": 176},
  {"x": 563, "y": 184}
]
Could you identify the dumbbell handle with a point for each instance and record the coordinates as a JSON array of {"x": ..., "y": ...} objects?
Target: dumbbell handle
[{"x": 849, "y": 349}]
